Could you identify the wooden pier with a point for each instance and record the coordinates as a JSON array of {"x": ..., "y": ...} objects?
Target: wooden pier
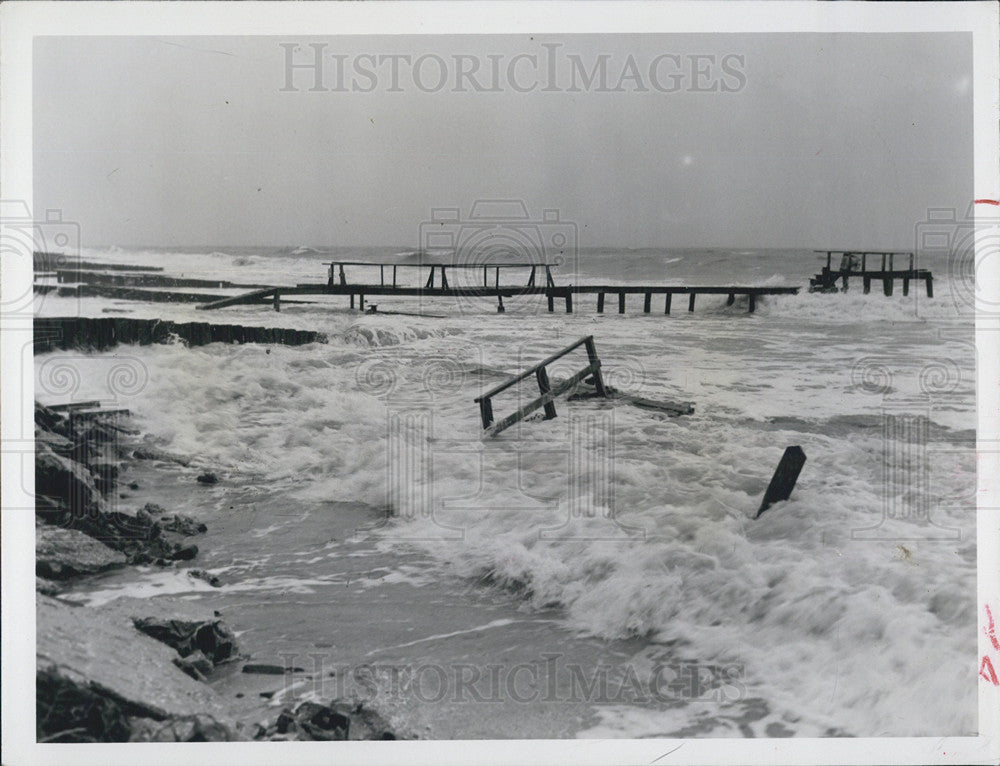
[
  {"x": 855, "y": 263},
  {"x": 437, "y": 285}
]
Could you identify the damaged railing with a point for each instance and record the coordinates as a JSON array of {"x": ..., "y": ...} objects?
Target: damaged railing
[{"x": 548, "y": 393}]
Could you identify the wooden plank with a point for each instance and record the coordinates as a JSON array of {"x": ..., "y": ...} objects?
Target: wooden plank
[
  {"x": 596, "y": 364},
  {"x": 73, "y": 406},
  {"x": 540, "y": 402},
  {"x": 785, "y": 476},
  {"x": 544, "y": 387},
  {"x": 237, "y": 299},
  {"x": 531, "y": 370}
]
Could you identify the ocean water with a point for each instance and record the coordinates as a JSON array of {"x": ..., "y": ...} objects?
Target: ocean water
[{"x": 848, "y": 609}]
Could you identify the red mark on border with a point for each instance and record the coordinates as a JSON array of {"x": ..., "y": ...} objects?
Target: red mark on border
[
  {"x": 987, "y": 202},
  {"x": 986, "y": 667},
  {"x": 990, "y": 629}
]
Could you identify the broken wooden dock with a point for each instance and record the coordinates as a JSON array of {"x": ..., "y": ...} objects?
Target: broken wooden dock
[
  {"x": 854, "y": 263},
  {"x": 547, "y": 393},
  {"x": 437, "y": 285}
]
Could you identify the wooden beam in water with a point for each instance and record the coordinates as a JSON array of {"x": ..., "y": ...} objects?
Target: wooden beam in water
[
  {"x": 928, "y": 280},
  {"x": 691, "y": 302},
  {"x": 569, "y": 303},
  {"x": 753, "y": 302},
  {"x": 251, "y": 297},
  {"x": 621, "y": 303},
  {"x": 785, "y": 476},
  {"x": 600, "y": 303},
  {"x": 541, "y": 401},
  {"x": 646, "y": 302},
  {"x": 544, "y": 387},
  {"x": 731, "y": 299}
]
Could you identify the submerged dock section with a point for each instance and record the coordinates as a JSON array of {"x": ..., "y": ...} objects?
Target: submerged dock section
[{"x": 547, "y": 393}]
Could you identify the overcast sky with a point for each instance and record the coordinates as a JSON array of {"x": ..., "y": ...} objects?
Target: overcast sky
[{"x": 689, "y": 141}]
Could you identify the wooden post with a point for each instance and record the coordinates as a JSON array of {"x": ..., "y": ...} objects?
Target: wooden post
[
  {"x": 485, "y": 278},
  {"x": 486, "y": 412},
  {"x": 277, "y": 301},
  {"x": 785, "y": 476},
  {"x": 829, "y": 259},
  {"x": 666, "y": 303},
  {"x": 887, "y": 283},
  {"x": 906, "y": 284},
  {"x": 867, "y": 280},
  {"x": 551, "y": 301},
  {"x": 596, "y": 364},
  {"x": 544, "y": 388},
  {"x": 444, "y": 279},
  {"x": 361, "y": 298},
  {"x": 352, "y": 300},
  {"x": 497, "y": 281},
  {"x": 393, "y": 276},
  {"x": 911, "y": 261},
  {"x": 691, "y": 302},
  {"x": 600, "y": 303},
  {"x": 883, "y": 261},
  {"x": 343, "y": 277},
  {"x": 500, "y": 308},
  {"x": 621, "y": 303},
  {"x": 731, "y": 299},
  {"x": 381, "y": 274},
  {"x": 645, "y": 303},
  {"x": 531, "y": 277},
  {"x": 864, "y": 257},
  {"x": 569, "y": 302},
  {"x": 330, "y": 280},
  {"x": 930, "y": 285},
  {"x": 430, "y": 280},
  {"x": 548, "y": 278},
  {"x": 890, "y": 261},
  {"x": 753, "y": 302}
]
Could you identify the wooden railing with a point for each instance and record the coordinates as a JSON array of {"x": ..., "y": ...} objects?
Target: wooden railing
[{"x": 548, "y": 393}]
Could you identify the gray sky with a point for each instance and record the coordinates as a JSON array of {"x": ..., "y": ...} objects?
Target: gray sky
[{"x": 806, "y": 141}]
